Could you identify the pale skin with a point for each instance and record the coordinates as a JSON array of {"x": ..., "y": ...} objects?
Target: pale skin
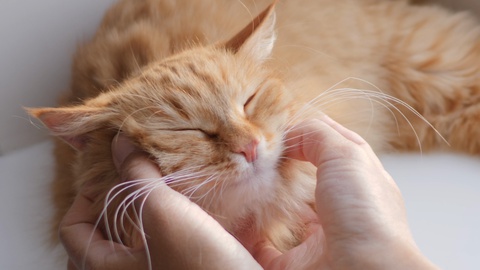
[{"x": 363, "y": 221}]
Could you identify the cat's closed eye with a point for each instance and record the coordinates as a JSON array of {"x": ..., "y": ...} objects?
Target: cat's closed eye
[
  {"x": 249, "y": 100},
  {"x": 208, "y": 134}
]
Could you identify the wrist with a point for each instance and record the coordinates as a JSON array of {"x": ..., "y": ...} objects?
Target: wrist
[{"x": 396, "y": 256}]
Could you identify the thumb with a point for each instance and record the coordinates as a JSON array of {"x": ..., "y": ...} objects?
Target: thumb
[
  {"x": 131, "y": 163},
  {"x": 122, "y": 147},
  {"x": 318, "y": 141},
  {"x": 261, "y": 248}
]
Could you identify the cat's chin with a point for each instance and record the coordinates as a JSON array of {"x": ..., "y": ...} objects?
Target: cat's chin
[
  {"x": 256, "y": 177},
  {"x": 252, "y": 188}
]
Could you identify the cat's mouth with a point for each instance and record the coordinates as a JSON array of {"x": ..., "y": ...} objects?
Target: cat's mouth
[{"x": 257, "y": 175}]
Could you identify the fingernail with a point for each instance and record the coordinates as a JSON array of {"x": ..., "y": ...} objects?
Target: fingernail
[
  {"x": 122, "y": 147},
  {"x": 345, "y": 132}
]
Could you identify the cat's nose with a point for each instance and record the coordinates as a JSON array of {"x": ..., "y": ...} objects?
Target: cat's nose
[{"x": 249, "y": 150}]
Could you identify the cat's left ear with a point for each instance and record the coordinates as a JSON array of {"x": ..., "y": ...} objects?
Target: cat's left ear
[
  {"x": 257, "y": 38},
  {"x": 72, "y": 124}
]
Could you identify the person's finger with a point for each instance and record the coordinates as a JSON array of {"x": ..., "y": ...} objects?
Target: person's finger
[
  {"x": 71, "y": 265},
  {"x": 259, "y": 246},
  {"x": 77, "y": 231},
  {"x": 307, "y": 255},
  {"x": 131, "y": 163},
  {"x": 86, "y": 245},
  {"x": 311, "y": 220},
  {"x": 265, "y": 254},
  {"x": 314, "y": 140},
  {"x": 135, "y": 165},
  {"x": 346, "y": 133},
  {"x": 79, "y": 212},
  {"x": 122, "y": 147}
]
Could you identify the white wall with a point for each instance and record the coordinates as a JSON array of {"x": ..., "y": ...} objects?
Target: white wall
[{"x": 37, "y": 39}]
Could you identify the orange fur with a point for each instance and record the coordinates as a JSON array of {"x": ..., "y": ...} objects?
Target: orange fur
[{"x": 170, "y": 76}]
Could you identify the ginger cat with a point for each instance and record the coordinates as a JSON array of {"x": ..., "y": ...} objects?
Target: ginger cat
[{"x": 210, "y": 99}]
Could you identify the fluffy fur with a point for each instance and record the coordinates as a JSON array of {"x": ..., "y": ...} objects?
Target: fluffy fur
[{"x": 195, "y": 88}]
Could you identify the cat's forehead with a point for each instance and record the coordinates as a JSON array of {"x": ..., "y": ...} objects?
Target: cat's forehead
[
  {"x": 191, "y": 87},
  {"x": 206, "y": 75}
]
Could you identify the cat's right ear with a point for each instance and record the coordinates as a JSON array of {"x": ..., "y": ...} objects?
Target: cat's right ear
[
  {"x": 72, "y": 124},
  {"x": 257, "y": 38}
]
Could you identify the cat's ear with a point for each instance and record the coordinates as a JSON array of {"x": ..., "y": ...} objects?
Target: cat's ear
[
  {"x": 72, "y": 124},
  {"x": 257, "y": 38}
]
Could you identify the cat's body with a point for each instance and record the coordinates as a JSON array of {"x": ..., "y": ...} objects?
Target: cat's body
[{"x": 209, "y": 102}]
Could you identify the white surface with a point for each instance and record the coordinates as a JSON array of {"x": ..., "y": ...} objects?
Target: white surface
[
  {"x": 37, "y": 41},
  {"x": 25, "y": 209},
  {"x": 442, "y": 194}
]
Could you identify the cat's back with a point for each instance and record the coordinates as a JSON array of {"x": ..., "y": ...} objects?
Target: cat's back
[
  {"x": 320, "y": 42},
  {"x": 134, "y": 33}
]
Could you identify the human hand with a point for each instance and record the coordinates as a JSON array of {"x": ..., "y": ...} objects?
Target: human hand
[
  {"x": 360, "y": 208},
  {"x": 180, "y": 235},
  {"x": 87, "y": 247}
]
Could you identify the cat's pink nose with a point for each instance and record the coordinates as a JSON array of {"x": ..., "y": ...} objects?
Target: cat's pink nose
[{"x": 249, "y": 150}]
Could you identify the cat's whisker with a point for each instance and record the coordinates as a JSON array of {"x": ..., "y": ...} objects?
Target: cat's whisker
[
  {"x": 287, "y": 158},
  {"x": 215, "y": 190},
  {"x": 144, "y": 193},
  {"x": 129, "y": 200},
  {"x": 139, "y": 68},
  {"x": 131, "y": 115},
  {"x": 190, "y": 191},
  {"x": 184, "y": 180},
  {"x": 224, "y": 183},
  {"x": 331, "y": 91},
  {"x": 110, "y": 199},
  {"x": 389, "y": 99},
  {"x": 328, "y": 91},
  {"x": 29, "y": 119},
  {"x": 335, "y": 95},
  {"x": 347, "y": 95},
  {"x": 353, "y": 94},
  {"x": 103, "y": 215},
  {"x": 111, "y": 195},
  {"x": 289, "y": 148},
  {"x": 123, "y": 206},
  {"x": 208, "y": 181},
  {"x": 331, "y": 96},
  {"x": 298, "y": 126},
  {"x": 142, "y": 232},
  {"x": 221, "y": 176},
  {"x": 285, "y": 140},
  {"x": 247, "y": 9}
]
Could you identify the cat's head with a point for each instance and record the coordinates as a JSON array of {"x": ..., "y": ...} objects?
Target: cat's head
[{"x": 215, "y": 112}]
